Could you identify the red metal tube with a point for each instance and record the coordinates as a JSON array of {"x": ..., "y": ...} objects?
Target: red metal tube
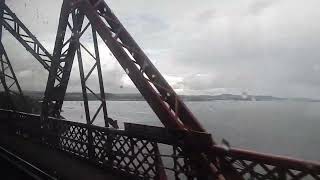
[{"x": 275, "y": 160}]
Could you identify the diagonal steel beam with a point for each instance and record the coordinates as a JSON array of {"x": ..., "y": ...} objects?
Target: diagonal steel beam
[
  {"x": 7, "y": 70},
  {"x": 18, "y": 30},
  {"x": 177, "y": 106},
  {"x": 101, "y": 96},
  {"x": 61, "y": 64},
  {"x": 72, "y": 18},
  {"x": 7, "y": 74},
  {"x": 161, "y": 97},
  {"x": 157, "y": 99}
]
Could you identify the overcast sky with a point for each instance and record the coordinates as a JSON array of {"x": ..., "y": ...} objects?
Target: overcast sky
[{"x": 268, "y": 47}]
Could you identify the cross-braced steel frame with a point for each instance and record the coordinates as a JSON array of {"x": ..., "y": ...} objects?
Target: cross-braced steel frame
[
  {"x": 53, "y": 106},
  {"x": 155, "y": 89},
  {"x": 172, "y": 112},
  {"x": 66, "y": 47},
  {"x": 14, "y": 26},
  {"x": 8, "y": 78},
  {"x": 101, "y": 97},
  {"x": 158, "y": 93},
  {"x": 95, "y": 17}
]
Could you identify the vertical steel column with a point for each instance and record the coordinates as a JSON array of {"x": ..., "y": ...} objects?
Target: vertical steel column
[
  {"x": 83, "y": 86},
  {"x": 160, "y": 171},
  {"x": 85, "y": 102},
  {"x": 84, "y": 77},
  {"x": 101, "y": 86},
  {"x": 2, "y": 75},
  {"x": 55, "y": 90}
]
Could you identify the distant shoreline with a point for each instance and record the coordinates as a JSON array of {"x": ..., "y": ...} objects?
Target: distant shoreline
[{"x": 76, "y": 96}]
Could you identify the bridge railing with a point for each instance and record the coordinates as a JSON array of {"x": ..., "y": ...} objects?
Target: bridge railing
[
  {"x": 141, "y": 151},
  {"x": 253, "y": 165},
  {"x": 152, "y": 152}
]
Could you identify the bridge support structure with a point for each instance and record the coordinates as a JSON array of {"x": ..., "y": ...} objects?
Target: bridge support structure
[
  {"x": 136, "y": 150},
  {"x": 158, "y": 93},
  {"x": 72, "y": 19}
]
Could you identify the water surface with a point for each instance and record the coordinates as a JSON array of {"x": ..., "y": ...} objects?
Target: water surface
[{"x": 280, "y": 127}]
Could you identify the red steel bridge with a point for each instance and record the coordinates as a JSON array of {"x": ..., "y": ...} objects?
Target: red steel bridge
[{"x": 47, "y": 146}]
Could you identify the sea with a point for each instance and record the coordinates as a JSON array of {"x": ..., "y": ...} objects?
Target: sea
[{"x": 288, "y": 128}]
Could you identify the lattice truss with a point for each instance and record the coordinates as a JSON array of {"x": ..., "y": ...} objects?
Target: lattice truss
[
  {"x": 73, "y": 27},
  {"x": 111, "y": 148},
  {"x": 8, "y": 78},
  {"x": 157, "y": 92},
  {"x": 75, "y": 19},
  {"x": 120, "y": 151},
  {"x": 148, "y": 156},
  {"x": 14, "y": 26}
]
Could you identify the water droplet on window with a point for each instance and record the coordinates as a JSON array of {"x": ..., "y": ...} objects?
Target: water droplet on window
[
  {"x": 225, "y": 144},
  {"x": 225, "y": 147}
]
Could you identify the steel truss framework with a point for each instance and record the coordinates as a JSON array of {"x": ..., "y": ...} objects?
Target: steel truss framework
[
  {"x": 66, "y": 46},
  {"x": 138, "y": 150},
  {"x": 161, "y": 97},
  {"x": 155, "y": 89},
  {"x": 16, "y": 27},
  {"x": 212, "y": 163},
  {"x": 158, "y": 93},
  {"x": 8, "y": 78}
]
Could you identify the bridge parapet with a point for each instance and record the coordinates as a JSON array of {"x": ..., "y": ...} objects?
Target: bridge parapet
[{"x": 147, "y": 152}]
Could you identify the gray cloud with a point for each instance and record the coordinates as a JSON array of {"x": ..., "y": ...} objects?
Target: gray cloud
[{"x": 260, "y": 46}]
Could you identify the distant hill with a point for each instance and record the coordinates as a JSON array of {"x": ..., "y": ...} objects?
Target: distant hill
[
  {"x": 231, "y": 97},
  {"x": 76, "y": 96}
]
